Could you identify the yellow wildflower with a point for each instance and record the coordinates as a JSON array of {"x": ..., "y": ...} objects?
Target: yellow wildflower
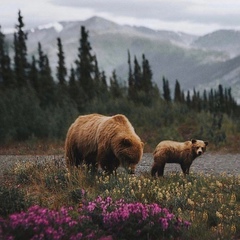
[
  {"x": 190, "y": 202},
  {"x": 233, "y": 229},
  {"x": 219, "y": 215},
  {"x": 219, "y": 184},
  {"x": 192, "y": 215},
  {"x": 220, "y": 197},
  {"x": 205, "y": 216},
  {"x": 220, "y": 228},
  {"x": 204, "y": 190},
  {"x": 232, "y": 199}
]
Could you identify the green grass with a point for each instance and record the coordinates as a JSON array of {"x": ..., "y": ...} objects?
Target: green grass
[{"x": 211, "y": 203}]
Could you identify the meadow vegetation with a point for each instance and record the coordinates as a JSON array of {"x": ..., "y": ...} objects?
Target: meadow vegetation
[{"x": 41, "y": 200}]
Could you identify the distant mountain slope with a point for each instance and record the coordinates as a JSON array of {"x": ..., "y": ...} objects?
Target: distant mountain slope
[
  {"x": 200, "y": 62},
  {"x": 223, "y": 40}
]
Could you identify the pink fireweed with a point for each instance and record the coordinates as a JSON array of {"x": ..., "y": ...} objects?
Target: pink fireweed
[
  {"x": 99, "y": 219},
  {"x": 140, "y": 218}
]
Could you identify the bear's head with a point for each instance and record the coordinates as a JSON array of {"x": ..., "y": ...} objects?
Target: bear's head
[
  {"x": 129, "y": 152},
  {"x": 198, "y": 146}
]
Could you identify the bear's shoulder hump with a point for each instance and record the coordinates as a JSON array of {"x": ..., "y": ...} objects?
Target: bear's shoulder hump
[{"x": 120, "y": 118}]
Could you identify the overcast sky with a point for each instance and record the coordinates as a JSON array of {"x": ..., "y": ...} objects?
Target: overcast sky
[{"x": 190, "y": 16}]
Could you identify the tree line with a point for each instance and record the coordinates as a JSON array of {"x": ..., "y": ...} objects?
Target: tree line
[{"x": 34, "y": 103}]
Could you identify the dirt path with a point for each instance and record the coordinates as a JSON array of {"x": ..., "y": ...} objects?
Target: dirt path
[{"x": 207, "y": 163}]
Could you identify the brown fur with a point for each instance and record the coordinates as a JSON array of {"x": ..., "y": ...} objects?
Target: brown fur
[
  {"x": 103, "y": 141},
  {"x": 176, "y": 152}
]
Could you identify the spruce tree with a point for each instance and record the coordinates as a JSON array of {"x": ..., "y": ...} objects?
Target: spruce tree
[
  {"x": 131, "y": 83},
  {"x": 166, "y": 90},
  {"x": 49, "y": 84},
  {"x": 85, "y": 65},
  {"x": 46, "y": 91},
  {"x": 211, "y": 101},
  {"x": 61, "y": 68},
  {"x": 232, "y": 107},
  {"x": 196, "y": 101},
  {"x": 40, "y": 58},
  {"x": 188, "y": 99},
  {"x": 205, "y": 101},
  {"x": 220, "y": 96},
  {"x": 6, "y": 77},
  {"x": 104, "y": 80},
  {"x": 75, "y": 91},
  {"x": 137, "y": 75},
  {"x": 21, "y": 65},
  {"x": 34, "y": 75},
  {"x": 149, "y": 93},
  {"x": 115, "y": 89},
  {"x": 104, "y": 93},
  {"x": 147, "y": 86},
  {"x": 183, "y": 97},
  {"x": 97, "y": 78},
  {"x": 177, "y": 92}
]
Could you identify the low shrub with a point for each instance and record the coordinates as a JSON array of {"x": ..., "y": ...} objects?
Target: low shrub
[{"x": 12, "y": 200}]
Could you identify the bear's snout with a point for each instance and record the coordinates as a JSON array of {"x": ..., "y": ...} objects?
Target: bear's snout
[{"x": 199, "y": 152}]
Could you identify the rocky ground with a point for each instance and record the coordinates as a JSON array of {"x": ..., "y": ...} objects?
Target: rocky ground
[{"x": 207, "y": 163}]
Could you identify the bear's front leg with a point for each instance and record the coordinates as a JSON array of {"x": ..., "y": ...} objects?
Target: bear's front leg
[
  {"x": 185, "y": 168},
  {"x": 107, "y": 161}
]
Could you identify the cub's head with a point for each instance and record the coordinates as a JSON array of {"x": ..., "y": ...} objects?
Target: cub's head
[
  {"x": 129, "y": 152},
  {"x": 199, "y": 146}
]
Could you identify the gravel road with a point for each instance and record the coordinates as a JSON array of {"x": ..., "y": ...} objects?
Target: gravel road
[{"x": 207, "y": 163}]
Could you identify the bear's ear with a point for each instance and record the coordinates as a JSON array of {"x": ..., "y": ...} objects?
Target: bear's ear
[
  {"x": 126, "y": 142},
  {"x": 193, "y": 141},
  {"x": 206, "y": 143}
]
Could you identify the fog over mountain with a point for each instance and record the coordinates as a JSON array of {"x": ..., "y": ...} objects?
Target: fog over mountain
[{"x": 200, "y": 62}]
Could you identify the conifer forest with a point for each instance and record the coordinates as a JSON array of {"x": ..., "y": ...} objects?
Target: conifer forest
[{"x": 37, "y": 104}]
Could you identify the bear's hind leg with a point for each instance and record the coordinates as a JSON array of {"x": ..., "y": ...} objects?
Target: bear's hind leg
[
  {"x": 154, "y": 170},
  {"x": 159, "y": 169},
  {"x": 75, "y": 156},
  {"x": 91, "y": 161}
]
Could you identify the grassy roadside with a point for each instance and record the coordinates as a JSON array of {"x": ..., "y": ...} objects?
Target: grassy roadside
[
  {"x": 49, "y": 147},
  {"x": 33, "y": 147}
]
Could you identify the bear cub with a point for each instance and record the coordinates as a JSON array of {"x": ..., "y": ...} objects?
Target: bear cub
[{"x": 176, "y": 152}]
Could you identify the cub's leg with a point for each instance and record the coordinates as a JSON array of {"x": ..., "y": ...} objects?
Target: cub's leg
[
  {"x": 185, "y": 168},
  {"x": 157, "y": 169}
]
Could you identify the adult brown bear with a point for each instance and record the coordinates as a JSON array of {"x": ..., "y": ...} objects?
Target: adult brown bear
[
  {"x": 103, "y": 141},
  {"x": 177, "y": 152}
]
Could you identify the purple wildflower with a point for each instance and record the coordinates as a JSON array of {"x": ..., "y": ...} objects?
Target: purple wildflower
[{"x": 100, "y": 219}]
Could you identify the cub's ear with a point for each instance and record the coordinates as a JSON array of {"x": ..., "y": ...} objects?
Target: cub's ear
[
  {"x": 193, "y": 141},
  {"x": 126, "y": 142},
  {"x": 142, "y": 144},
  {"x": 206, "y": 143}
]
